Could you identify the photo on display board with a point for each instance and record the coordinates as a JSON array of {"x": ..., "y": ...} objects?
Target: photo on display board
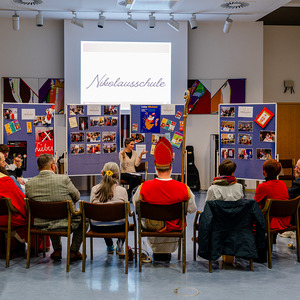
[
  {"x": 109, "y": 148},
  {"x": 227, "y": 138},
  {"x": 10, "y": 113},
  {"x": 76, "y": 110},
  {"x": 109, "y": 136},
  {"x": 110, "y": 110},
  {"x": 93, "y": 148},
  {"x": 227, "y": 125},
  {"x": 77, "y": 149},
  {"x": 110, "y": 121},
  {"x": 96, "y": 121},
  {"x": 138, "y": 137},
  {"x": 267, "y": 136},
  {"x": 39, "y": 120},
  {"x": 93, "y": 137},
  {"x": 18, "y": 149},
  {"x": 227, "y": 111},
  {"x": 227, "y": 153},
  {"x": 246, "y": 126},
  {"x": 245, "y": 139},
  {"x": 77, "y": 137},
  {"x": 263, "y": 154},
  {"x": 156, "y": 137},
  {"x": 245, "y": 153},
  {"x": 83, "y": 123}
]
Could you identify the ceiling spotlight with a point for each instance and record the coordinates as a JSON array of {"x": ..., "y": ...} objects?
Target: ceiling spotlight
[
  {"x": 101, "y": 20},
  {"x": 193, "y": 22},
  {"x": 227, "y": 25},
  {"x": 16, "y": 22},
  {"x": 174, "y": 24},
  {"x": 151, "y": 20},
  {"x": 130, "y": 22},
  {"x": 39, "y": 19},
  {"x": 76, "y": 21}
]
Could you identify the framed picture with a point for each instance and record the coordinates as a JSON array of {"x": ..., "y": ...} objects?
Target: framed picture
[{"x": 264, "y": 117}]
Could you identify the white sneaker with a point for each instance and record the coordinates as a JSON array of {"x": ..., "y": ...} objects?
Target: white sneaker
[{"x": 120, "y": 249}]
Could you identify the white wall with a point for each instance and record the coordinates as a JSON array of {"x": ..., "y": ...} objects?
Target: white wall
[
  {"x": 215, "y": 55},
  {"x": 281, "y": 62}
]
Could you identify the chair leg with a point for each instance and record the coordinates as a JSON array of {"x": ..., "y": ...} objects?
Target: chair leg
[
  {"x": 91, "y": 248},
  {"x": 8, "y": 241},
  {"x": 210, "y": 266},
  {"x": 135, "y": 247},
  {"x": 140, "y": 252},
  {"x": 126, "y": 254},
  {"x": 251, "y": 264},
  {"x": 183, "y": 254},
  {"x": 28, "y": 249},
  {"x": 36, "y": 246},
  {"x": 44, "y": 246},
  {"x": 83, "y": 252},
  {"x": 68, "y": 253},
  {"x": 269, "y": 251},
  {"x": 298, "y": 245},
  {"x": 179, "y": 248},
  {"x": 194, "y": 247}
]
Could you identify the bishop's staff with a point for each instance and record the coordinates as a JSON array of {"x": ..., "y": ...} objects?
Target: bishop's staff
[{"x": 187, "y": 100}]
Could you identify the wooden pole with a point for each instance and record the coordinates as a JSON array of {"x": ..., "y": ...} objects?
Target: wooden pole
[{"x": 187, "y": 99}]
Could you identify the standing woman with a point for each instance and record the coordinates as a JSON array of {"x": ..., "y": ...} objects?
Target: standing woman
[
  {"x": 129, "y": 160},
  {"x": 108, "y": 190}
]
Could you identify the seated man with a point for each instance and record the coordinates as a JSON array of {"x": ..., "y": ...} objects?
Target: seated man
[
  {"x": 164, "y": 191},
  {"x": 51, "y": 187},
  {"x": 294, "y": 191}
]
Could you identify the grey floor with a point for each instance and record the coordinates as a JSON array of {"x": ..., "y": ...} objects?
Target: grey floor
[{"x": 105, "y": 277}]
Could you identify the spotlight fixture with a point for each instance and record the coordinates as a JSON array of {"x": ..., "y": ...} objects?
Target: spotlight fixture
[
  {"x": 101, "y": 20},
  {"x": 227, "y": 25},
  {"x": 16, "y": 22},
  {"x": 39, "y": 19},
  {"x": 174, "y": 24},
  {"x": 76, "y": 21},
  {"x": 193, "y": 22},
  {"x": 151, "y": 20},
  {"x": 130, "y": 22}
]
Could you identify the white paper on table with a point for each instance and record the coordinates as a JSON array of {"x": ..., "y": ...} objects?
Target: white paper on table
[
  {"x": 28, "y": 114},
  {"x": 94, "y": 110},
  {"x": 139, "y": 148},
  {"x": 168, "y": 109},
  {"x": 245, "y": 112}
]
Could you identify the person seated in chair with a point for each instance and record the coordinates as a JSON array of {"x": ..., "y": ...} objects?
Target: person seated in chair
[
  {"x": 164, "y": 190},
  {"x": 294, "y": 190},
  {"x": 51, "y": 187},
  {"x": 225, "y": 187}
]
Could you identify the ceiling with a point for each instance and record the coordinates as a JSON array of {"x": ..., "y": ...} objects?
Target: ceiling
[{"x": 205, "y": 10}]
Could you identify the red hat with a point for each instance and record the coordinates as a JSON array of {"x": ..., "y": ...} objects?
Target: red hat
[{"x": 163, "y": 153}]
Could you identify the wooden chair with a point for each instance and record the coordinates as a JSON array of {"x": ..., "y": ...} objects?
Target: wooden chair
[
  {"x": 107, "y": 212},
  {"x": 143, "y": 167},
  {"x": 281, "y": 208},
  {"x": 195, "y": 230},
  {"x": 162, "y": 213},
  {"x": 6, "y": 208},
  {"x": 288, "y": 165},
  {"x": 53, "y": 211}
]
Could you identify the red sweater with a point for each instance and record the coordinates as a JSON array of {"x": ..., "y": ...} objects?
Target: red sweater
[
  {"x": 165, "y": 192},
  {"x": 273, "y": 189}
]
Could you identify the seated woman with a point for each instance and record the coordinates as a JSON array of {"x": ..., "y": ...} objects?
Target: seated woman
[
  {"x": 225, "y": 187},
  {"x": 275, "y": 189},
  {"x": 108, "y": 190},
  {"x": 129, "y": 160}
]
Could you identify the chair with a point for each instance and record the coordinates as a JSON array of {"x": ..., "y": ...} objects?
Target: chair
[
  {"x": 224, "y": 227},
  {"x": 195, "y": 229},
  {"x": 162, "y": 213},
  {"x": 107, "y": 212},
  {"x": 290, "y": 165},
  {"x": 281, "y": 208},
  {"x": 143, "y": 167},
  {"x": 6, "y": 208},
  {"x": 49, "y": 210}
]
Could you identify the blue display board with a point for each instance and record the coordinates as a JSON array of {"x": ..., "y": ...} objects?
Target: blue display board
[
  {"x": 248, "y": 137},
  {"x": 150, "y": 122},
  {"x": 28, "y": 129},
  {"x": 93, "y": 135}
]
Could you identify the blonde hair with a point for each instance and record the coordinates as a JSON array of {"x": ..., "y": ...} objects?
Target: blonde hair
[{"x": 110, "y": 174}]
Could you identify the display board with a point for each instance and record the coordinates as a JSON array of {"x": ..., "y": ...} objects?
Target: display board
[
  {"x": 248, "y": 137},
  {"x": 148, "y": 123},
  {"x": 28, "y": 129},
  {"x": 93, "y": 135}
]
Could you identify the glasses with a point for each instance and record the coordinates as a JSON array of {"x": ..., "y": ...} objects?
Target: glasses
[{"x": 296, "y": 167}]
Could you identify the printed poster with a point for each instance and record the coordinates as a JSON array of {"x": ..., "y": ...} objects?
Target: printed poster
[
  {"x": 43, "y": 140},
  {"x": 18, "y": 149},
  {"x": 150, "y": 118},
  {"x": 177, "y": 139}
]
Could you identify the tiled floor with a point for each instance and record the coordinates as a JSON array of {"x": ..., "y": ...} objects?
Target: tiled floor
[{"x": 105, "y": 277}]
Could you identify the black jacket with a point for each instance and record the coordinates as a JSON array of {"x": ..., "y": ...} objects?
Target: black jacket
[
  {"x": 226, "y": 228},
  {"x": 294, "y": 191}
]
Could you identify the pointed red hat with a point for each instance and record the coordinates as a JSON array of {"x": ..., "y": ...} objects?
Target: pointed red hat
[{"x": 163, "y": 153}]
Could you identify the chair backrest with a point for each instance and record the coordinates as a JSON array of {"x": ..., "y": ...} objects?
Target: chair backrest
[
  {"x": 3, "y": 207},
  {"x": 161, "y": 212},
  {"x": 143, "y": 167},
  {"x": 104, "y": 211},
  {"x": 48, "y": 210},
  {"x": 283, "y": 208},
  {"x": 288, "y": 166}
]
